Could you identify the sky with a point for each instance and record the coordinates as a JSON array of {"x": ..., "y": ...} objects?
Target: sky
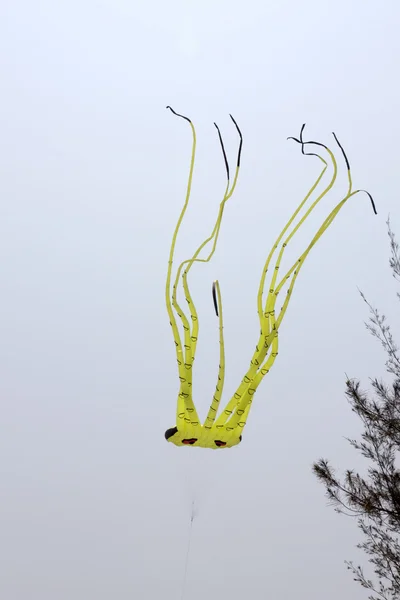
[{"x": 94, "y": 504}]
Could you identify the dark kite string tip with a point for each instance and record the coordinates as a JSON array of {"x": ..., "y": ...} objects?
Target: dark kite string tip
[
  {"x": 241, "y": 141},
  {"x": 214, "y": 295},
  {"x": 178, "y": 114},
  {"x": 342, "y": 149},
  {"x": 223, "y": 151},
  {"x": 372, "y": 200}
]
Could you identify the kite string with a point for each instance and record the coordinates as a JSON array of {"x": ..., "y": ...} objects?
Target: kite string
[{"x": 187, "y": 553}]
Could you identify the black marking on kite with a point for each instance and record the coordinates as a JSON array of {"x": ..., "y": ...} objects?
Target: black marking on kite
[
  {"x": 303, "y": 143},
  {"x": 214, "y": 295},
  {"x": 219, "y": 443},
  {"x": 241, "y": 141},
  {"x": 170, "y": 432},
  {"x": 342, "y": 149},
  {"x": 348, "y": 168},
  {"x": 179, "y": 115},
  {"x": 371, "y": 198},
  {"x": 189, "y": 441},
  {"x": 223, "y": 151}
]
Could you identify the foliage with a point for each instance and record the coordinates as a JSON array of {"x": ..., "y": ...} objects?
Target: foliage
[{"x": 374, "y": 500}]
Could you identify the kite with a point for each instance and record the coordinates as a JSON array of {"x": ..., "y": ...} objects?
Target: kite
[{"x": 225, "y": 430}]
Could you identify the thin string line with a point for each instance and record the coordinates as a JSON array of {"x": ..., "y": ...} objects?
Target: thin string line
[{"x": 187, "y": 553}]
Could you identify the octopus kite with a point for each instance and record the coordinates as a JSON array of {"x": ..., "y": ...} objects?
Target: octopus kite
[{"x": 225, "y": 430}]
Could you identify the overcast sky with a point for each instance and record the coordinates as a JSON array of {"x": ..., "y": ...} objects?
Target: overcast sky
[{"x": 94, "y": 504}]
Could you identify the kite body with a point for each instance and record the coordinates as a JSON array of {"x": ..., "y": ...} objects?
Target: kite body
[
  {"x": 224, "y": 430},
  {"x": 212, "y": 437}
]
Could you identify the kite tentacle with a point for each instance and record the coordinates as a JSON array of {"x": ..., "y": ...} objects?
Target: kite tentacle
[
  {"x": 268, "y": 333},
  {"x": 185, "y": 402},
  {"x": 212, "y": 413},
  {"x": 186, "y": 355},
  {"x": 272, "y": 295},
  {"x": 271, "y": 298},
  {"x": 290, "y": 221},
  {"x": 250, "y": 390},
  {"x": 246, "y": 399},
  {"x": 327, "y": 222},
  {"x": 214, "y": 236},
  {"x": 188, "y": 297}
]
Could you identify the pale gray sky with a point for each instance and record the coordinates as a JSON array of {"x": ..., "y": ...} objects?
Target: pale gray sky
[{"x": 94, "y": 504}]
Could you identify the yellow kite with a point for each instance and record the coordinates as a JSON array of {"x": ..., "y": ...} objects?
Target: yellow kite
[{"x": 225, "y": 430}]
